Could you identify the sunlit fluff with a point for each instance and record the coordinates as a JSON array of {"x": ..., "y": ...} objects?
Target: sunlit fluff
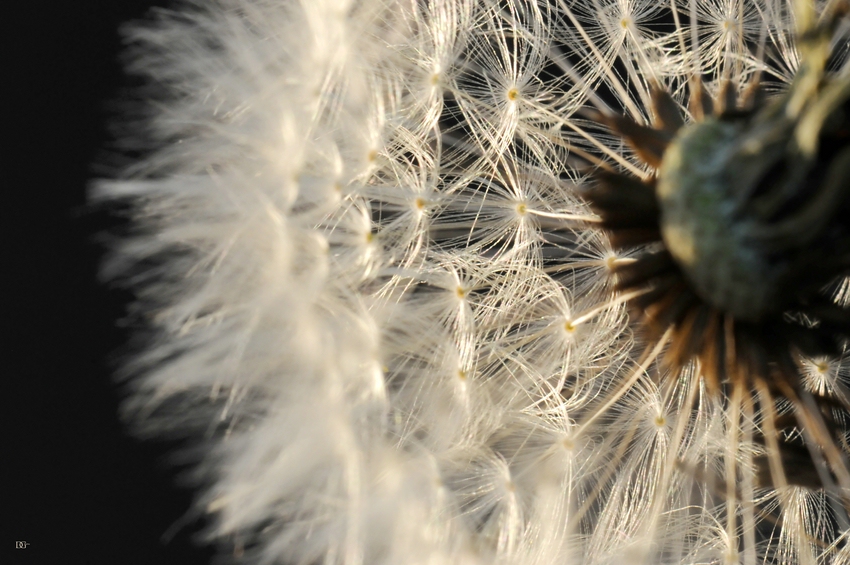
[{"x": 380, "y": 300}]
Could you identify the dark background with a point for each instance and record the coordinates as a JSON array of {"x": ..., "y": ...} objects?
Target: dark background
[{"x": 81, "y": 489}]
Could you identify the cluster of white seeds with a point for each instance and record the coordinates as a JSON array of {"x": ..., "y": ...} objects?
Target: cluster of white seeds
[{"x": 381, "y": 303}]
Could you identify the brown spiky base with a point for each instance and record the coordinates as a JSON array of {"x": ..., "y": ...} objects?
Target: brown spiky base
[{"x": 761, "y": 349}]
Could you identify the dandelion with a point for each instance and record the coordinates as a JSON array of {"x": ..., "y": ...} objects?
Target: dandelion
[{"x": 457, "y": 281}]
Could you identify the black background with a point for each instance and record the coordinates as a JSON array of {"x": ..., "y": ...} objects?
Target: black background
[{"x": 81, "y": 489}]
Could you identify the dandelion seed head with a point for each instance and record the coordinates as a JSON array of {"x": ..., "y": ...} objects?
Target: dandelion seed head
[{"x": 384, "y": 303}]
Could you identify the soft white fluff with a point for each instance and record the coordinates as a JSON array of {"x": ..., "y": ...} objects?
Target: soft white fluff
[{"x": 341, "y": 246}]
